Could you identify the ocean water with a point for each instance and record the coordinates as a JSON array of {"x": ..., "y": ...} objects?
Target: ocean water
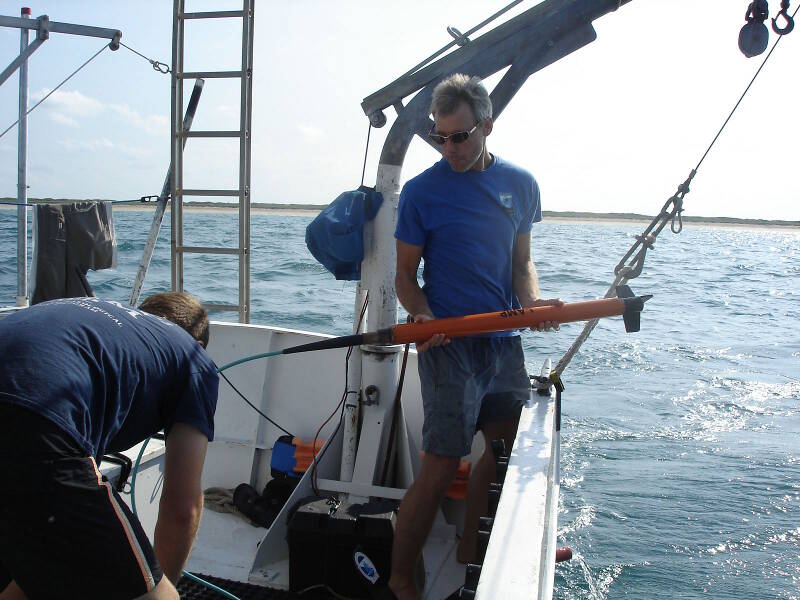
[{"x": 680, "y": 471}]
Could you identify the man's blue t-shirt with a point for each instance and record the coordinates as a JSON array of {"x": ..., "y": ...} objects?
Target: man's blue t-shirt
[
  {"x": 108, "y": 375},
  {"x": 468, "y": 223}
]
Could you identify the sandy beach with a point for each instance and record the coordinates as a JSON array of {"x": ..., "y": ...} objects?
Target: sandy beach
[
  {"x": 548, "y": 216},
  {"x": 686, "y": 223}
]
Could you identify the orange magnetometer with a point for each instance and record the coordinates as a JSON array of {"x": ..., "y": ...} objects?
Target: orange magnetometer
[
  {"x": 626, "y": 304},
  {"x": 629, "y": 307}
]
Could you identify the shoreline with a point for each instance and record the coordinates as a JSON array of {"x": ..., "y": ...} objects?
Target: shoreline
[{"x": 296, "y": 210}]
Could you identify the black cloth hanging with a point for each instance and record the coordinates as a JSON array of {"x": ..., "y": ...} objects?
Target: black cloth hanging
[{"x": 70, "y": 239}]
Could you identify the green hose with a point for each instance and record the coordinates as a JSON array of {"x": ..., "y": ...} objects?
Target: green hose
[{"x": 248, "y": 359}]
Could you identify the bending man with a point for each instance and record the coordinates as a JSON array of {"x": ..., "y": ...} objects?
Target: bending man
[{"x": 80, "y": 377}]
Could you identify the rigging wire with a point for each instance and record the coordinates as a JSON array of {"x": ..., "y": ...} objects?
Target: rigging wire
[
  {"x": 157, "y": 65},
  {"x": 459, "y": 39},
  {"x": 671, "y": 211},
  {"x": 366, "y": 151},
  {"x": 764, "y": 62},
  {"x": 142, "y": 200},
  {"x": 96, "y": 54}
]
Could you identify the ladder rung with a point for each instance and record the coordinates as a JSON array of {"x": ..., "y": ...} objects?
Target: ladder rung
[
  {"x": 208, "y": 250},
  {"x": 213, "y": 134},
  {"x": 210, "y": 306},
  {"x": 211, "y": 193},
  {"x": 215, "y": 14},
  {"x": 208, "y": 74}
]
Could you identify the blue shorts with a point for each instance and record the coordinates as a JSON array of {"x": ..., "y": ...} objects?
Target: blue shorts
[{"x": 469, "y": 382}]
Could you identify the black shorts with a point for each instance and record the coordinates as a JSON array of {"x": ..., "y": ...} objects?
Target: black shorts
[{"x": 64, "y": 533}]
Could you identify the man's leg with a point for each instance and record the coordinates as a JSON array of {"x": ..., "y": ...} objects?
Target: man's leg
[
  {"x": 498, "y": 419},
  {"x": 415, "y": 519},
  {"x": 484, "y": 473}
]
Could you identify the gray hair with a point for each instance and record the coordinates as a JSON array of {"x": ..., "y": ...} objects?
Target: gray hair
[{"x": 458, "y": 88}]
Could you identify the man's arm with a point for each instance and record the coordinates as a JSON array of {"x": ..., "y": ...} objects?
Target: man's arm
[
  {"x": 181, "y": 499},
  {"x": 525, "y": 280},
  {"x": 410, "y": 294}
]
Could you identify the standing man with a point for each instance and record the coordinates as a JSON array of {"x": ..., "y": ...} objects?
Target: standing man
[
  {"x": 469, "y": 216},
  {"x": 80, "y": 377}
]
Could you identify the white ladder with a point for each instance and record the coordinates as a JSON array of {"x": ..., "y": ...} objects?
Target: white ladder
[{"x": 179, "y": 135}]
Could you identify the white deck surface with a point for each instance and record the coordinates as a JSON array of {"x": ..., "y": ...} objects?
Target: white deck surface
[{"x": 225, "y": 546}]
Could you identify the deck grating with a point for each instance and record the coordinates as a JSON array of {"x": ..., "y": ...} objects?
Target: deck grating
[{"x": 191, "y": 590}]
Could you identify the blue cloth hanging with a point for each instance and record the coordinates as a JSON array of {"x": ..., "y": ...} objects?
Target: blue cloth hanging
[{"x": 336, "y": 236}]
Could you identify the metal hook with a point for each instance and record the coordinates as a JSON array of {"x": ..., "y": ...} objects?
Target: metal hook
[
  {"x": 160, "y": 67},
  {"x": 784, "y": 11}
]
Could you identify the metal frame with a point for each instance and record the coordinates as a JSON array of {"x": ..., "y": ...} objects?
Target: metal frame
[
  {"x": 43, "y": 26},
  {"x": 179, "y": 136}
]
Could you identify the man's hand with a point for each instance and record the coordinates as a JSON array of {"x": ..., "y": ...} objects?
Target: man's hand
[
  {"x": 546, "y": 325},
  {"x": 437, "y": 339}
]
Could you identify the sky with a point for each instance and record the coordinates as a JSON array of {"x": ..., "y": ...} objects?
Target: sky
[{"x": 613, "y": 127}]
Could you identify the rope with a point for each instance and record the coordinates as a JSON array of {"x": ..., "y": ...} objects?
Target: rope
[
  {"x": 158, "y": 66},
  {"x": 55, "y": 88},
  {"x": 670, "y": 213}
]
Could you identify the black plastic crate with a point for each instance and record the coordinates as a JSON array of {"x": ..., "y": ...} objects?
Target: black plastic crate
[{"x": 338, "y": 544}]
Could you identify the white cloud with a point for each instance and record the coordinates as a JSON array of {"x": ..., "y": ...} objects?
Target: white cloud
[
  {"x": 228, "y": 110},
  {"x": 69, "y": 104},
  {"x": 86, "y": 145},
  {"x": 311, "y": 133},
  {"x": 150, "y": 124},
  {"x": 63, "y": 119},
  {"x": 137, "y": 153}
]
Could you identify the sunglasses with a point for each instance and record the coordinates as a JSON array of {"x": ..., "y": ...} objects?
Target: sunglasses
[{"x": 457, "y": 138}]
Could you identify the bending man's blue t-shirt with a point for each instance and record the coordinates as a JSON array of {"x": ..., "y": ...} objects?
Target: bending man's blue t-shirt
[
  {"x": 106, "y": 374},
  {"x": 468, "y": 223}
]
